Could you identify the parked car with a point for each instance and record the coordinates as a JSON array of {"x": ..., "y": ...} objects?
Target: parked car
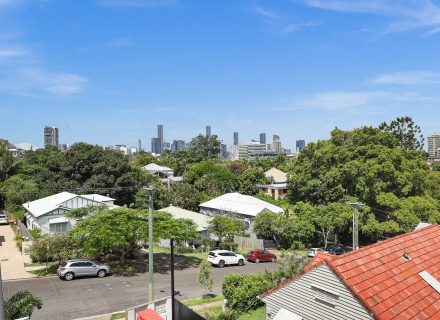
[
  {"x": 3, "y": 219},
  {"x": 261, "y": 255},
  {"x": 336, "y": 249},
  {"x": 221, "y": 258},
  {"x": 314, "y": 251},
  {"x": 70, "y": 269}
]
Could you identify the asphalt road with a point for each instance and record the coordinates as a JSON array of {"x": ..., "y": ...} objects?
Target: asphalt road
[{"x": 63, "y": 300}]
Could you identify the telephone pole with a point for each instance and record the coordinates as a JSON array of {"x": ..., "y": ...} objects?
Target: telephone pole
[
  {"x": 2, "y": 308},
  {"x": 356, "y": 206},
  {"x": 150, "y": 245}
]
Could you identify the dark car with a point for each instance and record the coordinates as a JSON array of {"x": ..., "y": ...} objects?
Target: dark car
[
  {"x": 261, "y": 255},
  {"x": 336, "y": 249}
]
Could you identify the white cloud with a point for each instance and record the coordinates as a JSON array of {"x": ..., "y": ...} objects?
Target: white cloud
[
  {"x": 408, "y": 78},
  {"x": 121, "y": 42},
  {"x": 408, "y": 14},
  {"x": 345, "y": 100},
  {"x": 139, "y": 3},
  {"x": 265, "y": 12},
  {"x": 12, "y": 53}
]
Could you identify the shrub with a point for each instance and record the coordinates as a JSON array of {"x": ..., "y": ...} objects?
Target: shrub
[
  {"x": 207, "y": 244},
  {"x": 230, "y": 283},
  {"x": 228, "y": 246},
  {"x": 19, "y": 215},
  {"x": 35, "y": 233},
  {"x": 183, "y": 249},
  {"x": 54, "y": 247},
  {"x": 19, "y": 241},
  {"x": 205, "y": 276},
  {"x": 297, "y": 245},
  {"x": 244, "y": 297},
  {"x": 228, "y": 315}
]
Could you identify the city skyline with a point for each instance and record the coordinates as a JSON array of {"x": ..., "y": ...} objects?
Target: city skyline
[{"x": 308, "y": 65}]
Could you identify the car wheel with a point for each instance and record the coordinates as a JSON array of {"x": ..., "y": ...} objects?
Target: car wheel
[
  {"x": 69, "y": 276},
  {"x": 101, "y": 273},
  {"x": 221, "y": 264},
  {"x": 257, "y": 260},
  {"x": 240, "y": 262},
  {"x": 274, "y": 259}
]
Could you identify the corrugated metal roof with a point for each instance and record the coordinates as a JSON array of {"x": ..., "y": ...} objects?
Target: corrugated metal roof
[
  {"x": 44, "y": 205},
  {"x": 239, "y": 203},
  {"x": 201, "y": 220}
]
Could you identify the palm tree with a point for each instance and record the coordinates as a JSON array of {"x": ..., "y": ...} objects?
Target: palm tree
[{"x": 21, "y": 305}]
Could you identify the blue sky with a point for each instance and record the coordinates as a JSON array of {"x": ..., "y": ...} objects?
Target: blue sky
[{"x": 108, "y": 71}]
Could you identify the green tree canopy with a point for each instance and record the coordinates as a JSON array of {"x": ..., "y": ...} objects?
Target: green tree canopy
[
  {"x": 205, "y": 148},
  {"x": 407, "y": 133},
  {"x": 21, "y": 304},
  {"x": 224, "y": 226}
]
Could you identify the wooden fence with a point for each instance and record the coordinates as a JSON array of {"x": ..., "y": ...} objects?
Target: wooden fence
[{"x": 253, "y": 243}]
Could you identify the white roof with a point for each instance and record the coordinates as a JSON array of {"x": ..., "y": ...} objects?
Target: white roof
[
  {"x": 97, "y": 197},
  {"x": 239, "y": 203},
  {"x": 284, "y": 314},
  {"x": 278, "y": 176},
  {"x": 58, "y": 220},
  {"x": 422, "y": 225},
  {"x": 44, "y": 205},
  {"x": 201, "y": 220},
  {"x": 154, "y": 168}
]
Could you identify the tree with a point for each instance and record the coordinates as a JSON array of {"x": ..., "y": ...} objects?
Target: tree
[
  {"x": 84, "y": 212},
  {"x": 408, "y": 134},
  {"x": 7, "y": 161},
  {"x": 17, "y": 190},
  {"x": 20, "y": 305},
  {"x": 205, "y": 276},
  {"x": 55, "y": 247},
  {"x": 269, "y": 225},
  {"x": 205, "y": 148},
  {"x": 329, "y": 218},
  {"x": 226, "y": 227},
  {"x": 249, "y": 180}
]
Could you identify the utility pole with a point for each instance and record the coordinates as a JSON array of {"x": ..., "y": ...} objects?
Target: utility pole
[
  {"x": 150, "y": 246},
  {"x": 173, "y": 316},
  {"x": 356, "y": 206},
  {"x": 2, "y": 307}
]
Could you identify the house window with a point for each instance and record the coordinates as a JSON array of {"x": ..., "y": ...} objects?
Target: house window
[{"x": 58, "y": 227}]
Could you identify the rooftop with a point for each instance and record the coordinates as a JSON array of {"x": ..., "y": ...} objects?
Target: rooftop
[
  {"x": 276, "y": 175},
  {"x": 387, "y": 284},
  {"x": 239, "y": 203},
  {"x": 201, "y": 220},
  {"x": 155, "y": 168}
]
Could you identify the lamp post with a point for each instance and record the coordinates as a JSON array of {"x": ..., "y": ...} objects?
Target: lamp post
[
  {"x": 173, "y": 317},
  {"x": 2, "y": 307},
  {"x": 150, "y": 245}
]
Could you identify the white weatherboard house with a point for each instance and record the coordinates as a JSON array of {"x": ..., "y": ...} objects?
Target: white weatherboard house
[
  {"x": 237, "y": 205},
  {"x": 48, "y": 214},
  {"x": 201, "y": 221}
]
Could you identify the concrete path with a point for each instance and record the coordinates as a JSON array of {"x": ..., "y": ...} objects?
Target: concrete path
[{"x": 12, "y": 263}]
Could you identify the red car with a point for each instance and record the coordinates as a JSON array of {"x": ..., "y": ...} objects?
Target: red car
[{"x": 258, "y": 255}]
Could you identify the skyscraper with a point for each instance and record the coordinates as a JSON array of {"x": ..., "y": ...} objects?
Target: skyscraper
[
  {"x": 51, "y": 136},
  {"x": 178, "y": 145},
  {"x": 208, "y": 131},
  {"x": 276, "y": 144},
  {"x": 157, "y": 143},
  {"x": 434, "y": 146},
  {"x": 235, "y": 138},
  {"x": 139, "y": 145},
  {"x": 262, "y": 138},
  {"x": 300, "y": 144}
]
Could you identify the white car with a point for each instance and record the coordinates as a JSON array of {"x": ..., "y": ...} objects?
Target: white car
[
  {"x": 221, "y": 258},
  {"x": 3, "y": 219},
  {"x": 314, "y": 251}
]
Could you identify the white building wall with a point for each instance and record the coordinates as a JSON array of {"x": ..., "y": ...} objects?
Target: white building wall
[{"x": 303, "y": 296}]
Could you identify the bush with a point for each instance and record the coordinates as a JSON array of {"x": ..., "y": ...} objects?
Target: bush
[
  {"x": 183, "y": 249},
  {"x": 228, "y": 315},
  {"x": 19, "y": 241},
  {"x": 54, "y": 247},
  {"x": 207, "y": 244},
  {"x": 244, "y": 297},
  {"x": 232, "y": 246},
  {"x": 35, "y": 233},
  {"x": 297, "y": 245},
  {"x": 230, "y": 283},
  {"x": 19, "y": 215}
]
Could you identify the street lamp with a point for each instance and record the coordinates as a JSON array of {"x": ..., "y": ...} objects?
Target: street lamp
[
  {"x": 150, "y": 244},
  {"x": 2, "y": 307}
]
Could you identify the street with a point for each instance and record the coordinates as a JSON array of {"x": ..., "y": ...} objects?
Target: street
[{"x": 63, "y": 300}]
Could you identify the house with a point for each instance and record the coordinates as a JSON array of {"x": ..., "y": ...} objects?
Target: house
[
  {"x": 238, "y": 206},
  {"x": 166, "y": 174},
  {"x": 200, "y": 220},
  {"x": 394, "y": 279},
  {"x": 48, "y": 214},
  {"x": 277, "y": 188}
]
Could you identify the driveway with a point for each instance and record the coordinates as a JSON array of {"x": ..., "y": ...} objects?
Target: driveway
[
  {"x": 64, "y": 300},
  {"x": 12, "y": 263}
]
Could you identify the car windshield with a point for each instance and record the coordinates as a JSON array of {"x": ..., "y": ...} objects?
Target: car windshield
[{"x": 2, "y": 216}]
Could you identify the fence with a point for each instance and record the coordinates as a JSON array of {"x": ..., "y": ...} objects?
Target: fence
[{"x": 254, "y": 243}]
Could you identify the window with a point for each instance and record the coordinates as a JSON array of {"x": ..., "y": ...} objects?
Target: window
[
  {"x": 58, "y": 227},
  {"x": 88, "y": 264}
]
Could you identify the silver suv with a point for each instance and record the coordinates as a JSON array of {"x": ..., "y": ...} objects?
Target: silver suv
[{"x": 79, "y": 268}]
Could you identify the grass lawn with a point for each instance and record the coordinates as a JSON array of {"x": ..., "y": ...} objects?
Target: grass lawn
[
  {"x": 40, "y": 264},
  {"x": 50, "y": 272},
  {"x": 194, "y": 302},
  {"x": 191, "y": 258},
  {"x": 117, "y": 316},
  {"x": 259, "y": 314}
]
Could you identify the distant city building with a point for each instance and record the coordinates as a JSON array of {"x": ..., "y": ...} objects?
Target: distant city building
[
  {"x": 166, "y": 146},
  {"x": 139, "y": 145},
  {"x": 178, "y": 145},
  {"x": 276, "y": 144},
  {"x": 157, "y": 143},
  {"x": 262, "y": 138},
  {"x": 133, "y": 150},
  {"x": 300, "y": 144},
  {"x": 233, "y": 152},
  {"x": 51, "y": 137},
  {"x": 235, "y": 138},
  {"x": 63, "y": 147},
  {"x": 223, "y": 151},
  {"x": 434, "y": 146},
  {"x": 208, "y": 131},
  {"x": 122, "y": 148}
]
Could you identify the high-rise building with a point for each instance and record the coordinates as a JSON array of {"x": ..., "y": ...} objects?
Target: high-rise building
[
  {"x": 208, "y": 131},
  {"x": 62, "y": 147},
  {"x": 139, "y": 149},
  {"x": 262, "y": 138},
  {"x": 158, "y": 143},
  {"x": 178, "y": 145},
  {"x": 223, "y": 151},
  {"x": 235, "y": 138},
  {"x": 434, "y": 146},
  {"x": 276, "y": 144},
  {"x": 51, "y": 136},
  {"x": 300, "y": 144}
]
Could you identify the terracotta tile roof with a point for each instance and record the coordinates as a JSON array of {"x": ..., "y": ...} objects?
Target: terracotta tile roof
[{"x": 386, "y": 284}]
